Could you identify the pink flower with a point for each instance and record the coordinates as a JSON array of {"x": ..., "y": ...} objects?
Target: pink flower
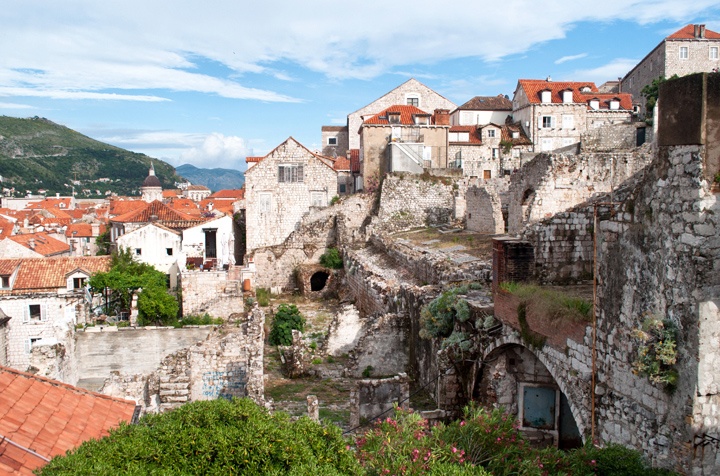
[
  {"x": 462, "y": 423},
  {"x": 454, "y": 450}
]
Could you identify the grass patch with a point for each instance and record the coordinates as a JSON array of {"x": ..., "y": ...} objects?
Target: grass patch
[
  {"x": 338, "y": 417},
  {"x": 554, "y": 304},
  {"x": 292, "y": 391},
  {"x": 263, "y": 297}
]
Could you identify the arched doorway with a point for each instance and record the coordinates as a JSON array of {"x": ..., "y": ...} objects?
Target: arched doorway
[
  {"x": 513, "y": 377},
  {"x": 318, "y": 281}
]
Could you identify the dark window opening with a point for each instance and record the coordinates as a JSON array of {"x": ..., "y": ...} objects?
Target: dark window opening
[
  {"x": 527, "y": 196},
  {"x": 78, "y": 283},
  {"x": 35, "y": 312},
  {"x": 169, "y": 251},
  {"x": 138, "y": 251},
  {"x": 210, "y": 242},
  {"x": 318, "y": 281},
  {"x": 5, "y": 281}
]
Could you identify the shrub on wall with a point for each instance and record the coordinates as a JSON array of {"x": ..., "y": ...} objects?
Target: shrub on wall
[
  {"x": 286, "y": 319},
  {"x": 331, "y": 259},
  {"x": 657, "y": 352}
]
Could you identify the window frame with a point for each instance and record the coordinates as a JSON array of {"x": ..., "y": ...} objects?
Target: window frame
[
  {"x": 291, "y": 173},
  {"x": 491, "y": 133},
  {"x": 547, "y": 120},
  {"x": 332, "y": 141},
  {"x": 684, "y": 52},
  {"x": 716, "y": 51}
]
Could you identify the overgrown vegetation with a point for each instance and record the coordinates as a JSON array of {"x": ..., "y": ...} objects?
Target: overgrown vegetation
[
  {"x": 193, "y": 320},
  {"x": 103, "y": 243},
  {"x": 332, "y": 259},
  {"x": 657, "y": 351},
  {"x": 483, "y": 442},
  {"x": 286, "y": 319},
  {"x": 126, "y": 276},
  {"x": 213, "y": 437},
  {"x": 651, "y": 93},
  {"x": 554, "y": 304},
  {"x": 263, "y": 297}
]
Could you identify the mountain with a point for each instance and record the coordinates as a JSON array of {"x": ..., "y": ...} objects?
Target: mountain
[
  {"x": 37, "y": 154},
  {"x": 214, "y": 179}
]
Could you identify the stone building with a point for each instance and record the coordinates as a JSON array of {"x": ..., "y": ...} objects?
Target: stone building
[
  {"x": 691, "y": 49},
  {"x": 334, "y": 140},
  {"x": 411, "y": 93},
  {"x": 487, "y": 151},
  {"x": 151, "y": 188},
  {"x": 554, "y": 114},
  {"x": 403, "y": 139},
  {"x": 44, "y": 298},
  {"x": 281, "y": 188},
  {"x": 482, "y": 110},
  {"x": 196, "y": 193}
]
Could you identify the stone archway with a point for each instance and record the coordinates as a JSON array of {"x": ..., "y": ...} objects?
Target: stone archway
[
  {"x": 524, "y": 382},
  {"x": 318, "y": 281}
]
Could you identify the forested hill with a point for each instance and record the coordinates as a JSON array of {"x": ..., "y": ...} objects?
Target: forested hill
[
  {"x": 214, "y": 179},
  {"x": 37, "y": 154}
]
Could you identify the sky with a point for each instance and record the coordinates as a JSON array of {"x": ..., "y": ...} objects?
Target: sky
[{"x": 208, "y": 83}]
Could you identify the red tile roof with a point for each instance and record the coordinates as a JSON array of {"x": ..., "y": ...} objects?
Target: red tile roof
[
  {"x": 342, "y": 163},
  {"x": 154, "y": 211},
  {"x": 185, "y": 205},
  {"x": 236, "y": 194},
  {"x": 688, "y": 33},
  {"x": 41, "y": 418},
  {"x": 83, "y": 230},
  {"x": 50, "y": 203},
  {"x": 354, "y": 160},
  {"x": 249, "y": 160},
  {"x": 406, "y": 115},
  {"x": 333, "y": 128},
  {"x": 48, "y": 274},
  {"x": 534, "y": 87},
  {"x": 121, "y": 207},
  {"x": 41, "y": 243},
  {"x": 197, "y": 187},
  {"x": 171, "y": 193}
]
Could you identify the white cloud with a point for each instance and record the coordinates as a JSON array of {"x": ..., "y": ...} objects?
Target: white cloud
[
  {"x": 611, "y": 71},
  {"x": 88, "y": 46},
  {"x": 217, "y": 150},
  {"x": 58, "y": 94},
  {"x": 10, "y": 105},
  {"x": 565, "y": 59}
]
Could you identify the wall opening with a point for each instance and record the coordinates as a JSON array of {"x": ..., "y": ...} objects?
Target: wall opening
[{"x": 318, "y": 281}]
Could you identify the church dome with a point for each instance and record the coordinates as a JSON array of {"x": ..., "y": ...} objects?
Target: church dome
[{"x": 151, "y": 181}]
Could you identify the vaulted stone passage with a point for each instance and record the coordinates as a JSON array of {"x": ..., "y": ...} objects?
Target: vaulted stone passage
[
  {"x": 318, "y": 281},
  {"x": 514, "y": 378}
]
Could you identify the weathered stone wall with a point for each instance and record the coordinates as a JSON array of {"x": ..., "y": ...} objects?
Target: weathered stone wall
[
  {"x": 484, "y": 211},
  {"x": 610, "y": 137},
  {"x": 102, "y": 350},
  {"x": 551, "y": 184},
  {"x": 659, "y": 257},
  {"x": 411, "y": 201},
  {"x": 211, "y": 292},
  {"x": 229, "y": 363},
  {"x": 373, "y": 397}
]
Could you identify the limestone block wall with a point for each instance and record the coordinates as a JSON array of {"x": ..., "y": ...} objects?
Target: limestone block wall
[
  {"x": 484, "y": 211},
  {"x": 410, "y": 201},
  {"x": 372, "y": 397},
  {"x": 550, "y": 184},
  {"x": 211, "y": 292},
  {"x": 611, "y": 137},
  {"x": 229, "y": 363}
]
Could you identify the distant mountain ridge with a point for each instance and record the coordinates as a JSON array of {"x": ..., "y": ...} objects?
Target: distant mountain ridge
[
  {"x": 214, "y": 179},
  {"x": 37, "y": 154}
]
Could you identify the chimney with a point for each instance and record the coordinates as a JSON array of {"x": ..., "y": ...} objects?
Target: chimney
[
  {"x": 57, "y": 195},
  {"x": 442, "y": 117},
  {"x": 702, "y": 31},
  {"x": 95, "y": 227},
  {"x": 31, "y": 243}
]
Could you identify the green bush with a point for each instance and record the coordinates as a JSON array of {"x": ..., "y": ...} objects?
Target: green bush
[
  {"x": 331, "y": 259},
  {"x": 204, "y": 320},
  {"x": 657, "y": 353},
  {"x": 286, "y": 319},
  {"x": 213, "y": 437}
]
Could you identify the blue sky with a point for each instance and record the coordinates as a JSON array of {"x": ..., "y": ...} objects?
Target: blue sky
[{"x": 208, "y": 83}]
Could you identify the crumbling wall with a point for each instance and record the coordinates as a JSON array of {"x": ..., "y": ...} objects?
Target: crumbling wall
[
  {"x": 552, "y": 183},
  {"x": 373, "y": 397},
  {"x": 211, "y": 292},
  {"x": 383, "y": 349},
  {"x": 229, "y": 363},
  {"x": 484, "y": 211},
  {"x": 610, "y": 137},
  {"x": 411, "y": 201}
]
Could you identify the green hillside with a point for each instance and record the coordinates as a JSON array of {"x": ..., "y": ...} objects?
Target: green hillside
[{"x": 36, "y": 154}]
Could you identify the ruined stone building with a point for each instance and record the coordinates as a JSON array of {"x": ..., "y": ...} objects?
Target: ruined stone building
[
  {"x": 487, "y": 151},
  {"x": 554, "y": 114},
  {"x": 691, "y": 49}
]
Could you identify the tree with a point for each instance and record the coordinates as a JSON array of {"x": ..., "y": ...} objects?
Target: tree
[
  {"x": 103, "y": 243},
  {"x": 126, "y": 276},
  {"x": 651, "y": 92},
  {"x": 213, "y": 437},
  {"x": 286, "y": 319}
]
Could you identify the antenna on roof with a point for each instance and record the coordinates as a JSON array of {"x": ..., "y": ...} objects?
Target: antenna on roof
[{"x": 548, "y": 78}]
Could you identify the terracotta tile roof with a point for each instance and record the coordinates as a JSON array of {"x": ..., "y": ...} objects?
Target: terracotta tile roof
[
  {"x": 77, "y": 214},
  {"x": 333, "y": 128},
  {"x": 688, "y": 33},
  {"x": 84, "y": 230},
  {"x": 225, "y": 206},
  {"x": 533, "y": 88},
  {"x": 487, "y": 103},
  {"x": 121, "y": 207},
  {"x": 6, "y": 227},
  {"x": 171, "y": 193},
  {"x": 50, "y": 203},
  {"x": 473, "y": 131},
  {"x": 406, "y": 115},
  {"x": 197, "y": 187},
  {"x": 154, "y": 211},
  {"x": 185, "y": 205},
  {"x": 354, "y": 160},
  {"x": 41, "y": 243},
  {"x": 342, "y": 163},
  {"x": 249, "y": 160},
  {"x": 45, "y": 418},
  {"x": 507, "y": 134},
  {"x": 48, "y": 274},
  {"x": 237, "y": 194}
]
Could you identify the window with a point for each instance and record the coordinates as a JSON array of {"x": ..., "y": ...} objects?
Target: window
[
  {"x": 516, "y": 153},
  {"x": 491, "y": 133},
  {"x": 595, "y": 104},
  {"x": 264, "y": 202},
  {"x": 30, "y": 342},
  {"x": 567, "y": 97},
  {"x": 413, "y": 101},
  {"x": 547, "y": 122},
  {"x": 495, "y": 153},
  {"x": 684, "y": 53},
  {"x": 713, "y": 52},
  {"x": 5, "y": 281},
  {"x": 568, "y": 141},
  {"x": 546, "y": 144},
  {"x": 568, "y": 121},
  {"x": 34, "y": 312},
  {"x": 169, "y": 251},
  {"x": 614, "y": 104},
  {"x": 459, "y": 136},
  {"x": 290, "y": 173},
  {"x": 317, "y": 199},
  {"x": 138, "y": 251},
  {"x": 545, "y": 96},
  {"x": 332, "y": 140},
  {"x": 342, "y": 188},
  {"x": 78, "y": 283},
  {"x": 394, "y": 117},
  {"x": 487, "y": 174}
]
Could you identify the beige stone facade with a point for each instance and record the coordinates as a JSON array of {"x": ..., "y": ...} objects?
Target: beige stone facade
[{"x": 281, "y": 188}]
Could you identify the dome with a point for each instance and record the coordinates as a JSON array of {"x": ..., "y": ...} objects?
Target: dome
[{"x": 151, "y": 181}]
